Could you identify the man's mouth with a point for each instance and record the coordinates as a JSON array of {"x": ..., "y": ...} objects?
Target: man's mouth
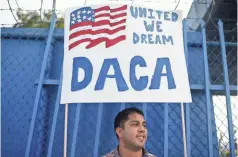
[{"x": 141, "y": 137}]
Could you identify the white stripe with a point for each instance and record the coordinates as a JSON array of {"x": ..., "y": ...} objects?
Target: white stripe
[
  {"x": 98, "y": 36},
  {"x": 108, "y": 11},
  {"x": 111, "y": 20},
  {"x": 96, "y": 28}
]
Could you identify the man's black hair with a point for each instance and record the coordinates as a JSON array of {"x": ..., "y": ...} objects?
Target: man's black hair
[{"x": 122, "y": 117}]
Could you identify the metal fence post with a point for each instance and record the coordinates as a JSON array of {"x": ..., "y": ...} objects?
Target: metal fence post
[
  {"x": 185, "y": 40},
  {"x": 38, "y": 93},
  {"x": 207, "y": 89},
  {"x": 227, "y": 90},
  {"x": 145, "y": 110},
  {"x": 56, "y": 111},
  {"x": 98, "y": 128},
  {"x": 1, "y": 92},
  {"x": 123, "y": 105},
  {"x": 144, "y": 106},
  {"x": 166, "y": 136},
  {"x": 75, "y": 132}
]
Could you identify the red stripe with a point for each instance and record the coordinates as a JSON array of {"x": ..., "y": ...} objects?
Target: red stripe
[
  {"x": 89, "y": 31},
  {"x": 106, "y": 8},
  {"x": 111, "y": 16},
  {"x": 112, "y": 42},
  {"x": 76, "y": 43},
  {"x": 98, "y": 23},
  {"x": 109, "y": 42}
]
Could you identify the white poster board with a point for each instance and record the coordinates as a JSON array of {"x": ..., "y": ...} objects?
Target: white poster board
[{"x": 123, "y": 53}]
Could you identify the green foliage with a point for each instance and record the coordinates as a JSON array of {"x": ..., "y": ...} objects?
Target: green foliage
[{"x": 33, "y": 19}]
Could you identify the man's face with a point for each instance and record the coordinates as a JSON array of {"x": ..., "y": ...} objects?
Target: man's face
[{"x": 134, "y": 134}]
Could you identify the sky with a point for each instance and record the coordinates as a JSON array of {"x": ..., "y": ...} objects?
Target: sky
[
  {"x": 6, "y": 16},
  {"x": 221, "y": 115}
]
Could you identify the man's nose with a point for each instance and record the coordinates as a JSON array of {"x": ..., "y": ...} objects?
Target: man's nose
[{"x": 142, "y": 128}]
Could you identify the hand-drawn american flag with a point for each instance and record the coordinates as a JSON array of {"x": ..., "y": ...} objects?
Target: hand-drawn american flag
[{"x": 97, "y": 25}]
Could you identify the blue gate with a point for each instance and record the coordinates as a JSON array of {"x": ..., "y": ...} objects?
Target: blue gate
[{"x": 33, "y": 119}]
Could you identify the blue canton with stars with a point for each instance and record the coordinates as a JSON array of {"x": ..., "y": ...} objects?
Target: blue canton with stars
[{"x": 81, "y": 15}]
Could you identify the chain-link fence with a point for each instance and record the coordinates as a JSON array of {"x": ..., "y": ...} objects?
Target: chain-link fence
[
  {"x": 22, "y": 57},
  {"x": 20, "y": 67},
  {"x": 218, "y": 97}
]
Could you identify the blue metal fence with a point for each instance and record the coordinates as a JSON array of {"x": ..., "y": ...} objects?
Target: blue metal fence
[{"x": 33, "y": 119}]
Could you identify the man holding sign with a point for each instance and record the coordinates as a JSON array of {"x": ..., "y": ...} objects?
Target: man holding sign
[{"x": 131, "y": 131}]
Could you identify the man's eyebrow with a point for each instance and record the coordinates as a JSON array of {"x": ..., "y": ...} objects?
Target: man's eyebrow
[
  {"x": 136, "y": 121},
  {"x": 133, "y": 121}
]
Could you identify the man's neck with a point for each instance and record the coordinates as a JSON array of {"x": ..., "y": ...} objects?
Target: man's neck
[{"x": 125, "y": 152}]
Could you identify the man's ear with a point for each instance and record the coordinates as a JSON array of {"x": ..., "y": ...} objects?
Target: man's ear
[{"x": 119, "y": 132}]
